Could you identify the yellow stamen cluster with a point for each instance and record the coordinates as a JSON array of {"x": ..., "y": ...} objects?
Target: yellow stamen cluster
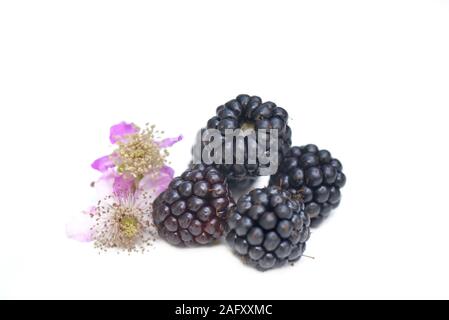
[
  {"x": 124, "y": 224},
  {"x": 139, "y": 155},
  {"x": 129, "y": 226}
]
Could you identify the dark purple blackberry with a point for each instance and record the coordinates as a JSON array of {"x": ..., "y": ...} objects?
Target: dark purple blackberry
[
  {"x": 314, "y": 174},
  {"x": 192, "y": 210},
  {"x": 268, "y": 228},
  {"x": 238, "y": 188},
  {"x": 249, "y": 113}
]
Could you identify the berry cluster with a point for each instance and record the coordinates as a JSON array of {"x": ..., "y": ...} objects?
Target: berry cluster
[
  {"x": 268, "y": 227},
  {"x": 314, "y": 174},
  {"x": 192, "y": 210},
  {"x": 250, "y": 113}
]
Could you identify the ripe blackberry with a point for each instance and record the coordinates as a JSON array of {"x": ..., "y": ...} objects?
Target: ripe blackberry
[
  {"x": 316, "y": 175},
  {"x": 241, "y": 187},
  {"x": 249, "y": 113},
  {"x": 268, "y": 228},
  {"x": 192, "y": 210}
]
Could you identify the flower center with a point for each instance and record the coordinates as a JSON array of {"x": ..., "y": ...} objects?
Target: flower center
[
  {"x": 129, "y": 226},
  {"x": 139, "y": 154}
]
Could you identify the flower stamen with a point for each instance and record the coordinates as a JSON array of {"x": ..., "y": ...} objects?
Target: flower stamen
[
  {"x": 139, "y": 154},
  {"x": 129, "y": 226},
  {"x": 124, "y": 223}
]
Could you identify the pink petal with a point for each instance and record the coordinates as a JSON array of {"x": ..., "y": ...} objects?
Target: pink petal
[
  {"x": 104, "y": 186},
  {"x": 80, "y": 227},
  {"x": 157, "y": 185},
  {"x": 123, "y": 186},
  {"x": 103, "y": 164},
  {"x": 121, "y": 130},
  {"x": 169, "y": 142}
]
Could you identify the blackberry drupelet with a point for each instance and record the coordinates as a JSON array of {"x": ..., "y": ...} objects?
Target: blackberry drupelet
[
  {"x": 268, "y": 228},
  {"x": 192, "y": 210},
  {"x": 250, "y": 113},
  {"x": 314, "y": 174}
]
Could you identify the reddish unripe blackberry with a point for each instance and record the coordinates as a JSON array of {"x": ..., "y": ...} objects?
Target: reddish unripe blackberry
[
  {"x": 315, "y": 175},
  {"x": 268, "y": 228},
  {"x": 192, "y": 210}
]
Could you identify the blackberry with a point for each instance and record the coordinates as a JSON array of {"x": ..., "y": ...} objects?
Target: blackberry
[
  {"x": 235, "y": 186},
  {"x": 249, "y": 113},
  {"x": 268, "y": 228},
  {"x": 240, "y": 187},
  {"x": 192, "y": 210},
  {"x": 316, "y": 175}
]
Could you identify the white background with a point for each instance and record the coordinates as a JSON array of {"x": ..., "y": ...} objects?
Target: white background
[{"x": 369, "y": 80}]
